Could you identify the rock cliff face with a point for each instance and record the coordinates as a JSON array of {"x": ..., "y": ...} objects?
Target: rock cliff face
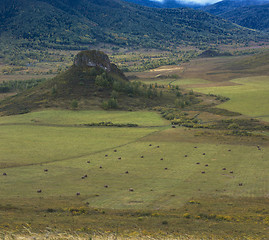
[{"x": 93, "y": 58}]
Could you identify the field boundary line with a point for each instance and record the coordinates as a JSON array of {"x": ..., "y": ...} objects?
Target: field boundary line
[
  {"x": 76, "y": 125},
  {"x": 82, "y": 155}
]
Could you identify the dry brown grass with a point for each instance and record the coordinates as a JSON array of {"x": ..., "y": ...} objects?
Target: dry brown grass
[
  {"x": 82, "y": 236},
  {"x": 208, "y": 136}
]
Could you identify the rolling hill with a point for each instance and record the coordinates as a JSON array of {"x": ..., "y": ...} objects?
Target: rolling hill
[
  {"x": 91, "y": 82},
  {"x": 69, "y": 24},
  {"x": 91, "y": 76}
]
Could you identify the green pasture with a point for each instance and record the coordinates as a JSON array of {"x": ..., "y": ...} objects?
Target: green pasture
[
  {"x": 179, "y": 82},
  {"x": 65, "y": 151},
  {"x": 67, "y": 117},
  {"x": 164, "y": 189},
  {"x": 249, "y": 97},
  {"x": 24, "y": 144}
]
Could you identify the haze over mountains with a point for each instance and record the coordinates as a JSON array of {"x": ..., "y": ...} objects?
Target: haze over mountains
[
  {"x": 207, "y": 4},
  {"x": 165, "y": 3}
]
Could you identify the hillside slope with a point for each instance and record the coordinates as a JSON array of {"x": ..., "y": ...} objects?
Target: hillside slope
[
  {"x": 92, "y": 82},
  {"x": 255, "y": 17},
  {"x": 72, "y": 24},
  {"x": 247, "y": 13},
  {"x": 228, "y": 5}
]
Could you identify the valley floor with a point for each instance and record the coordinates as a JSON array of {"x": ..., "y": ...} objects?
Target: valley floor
[{"x": 63, "y": 178}]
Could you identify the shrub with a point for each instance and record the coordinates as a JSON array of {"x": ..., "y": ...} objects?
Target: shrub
[
  {"x": 114, "y": 94},
  {"x": 233, "y": 126},
  {"x": 74, "y": 104},
  {"x": 110, "y": 104},
  {"x": 102, "y": 81},
  {"x": 186, "y": 215}
]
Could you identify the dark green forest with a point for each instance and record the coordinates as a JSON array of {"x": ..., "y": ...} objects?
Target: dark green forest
[{"x": 66, "y": 24}]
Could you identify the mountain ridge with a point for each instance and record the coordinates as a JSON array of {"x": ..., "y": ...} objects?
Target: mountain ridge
[
  {"x": 71, "y": 24},
  {"x": 255, "y": 17},
  {"x": 228, "y": 5},
  {"x": 247, "y": 13},
  {"x": 165, "y": 4}
]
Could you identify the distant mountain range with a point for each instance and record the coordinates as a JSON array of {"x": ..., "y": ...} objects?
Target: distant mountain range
[
  {"x": 255, "y": 17},
  {"x": 229, "y": 5},
  {"x": 74, "y": 23},
  {"x": 165, "y": 4},
  {"x": 248, "y": 13},
  {"x": 216, "y": 8}
]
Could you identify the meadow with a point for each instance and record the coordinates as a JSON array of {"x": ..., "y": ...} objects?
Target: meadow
[
  {"x": 65, "y": 117},
  {"x": 64, "y": 174},
  {"x": 135, "y": 175},
  {"x": 248, "y": 96}
]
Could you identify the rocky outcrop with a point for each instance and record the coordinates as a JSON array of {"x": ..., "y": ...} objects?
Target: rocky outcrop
[{"x": 93, "y": 58}]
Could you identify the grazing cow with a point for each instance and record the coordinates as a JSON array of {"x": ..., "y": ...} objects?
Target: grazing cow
[
  {"x": 229, "y": 150},
  {"x": 85, "y": 175},
  {"x": 161, "y": 159},
  {"x": 115, "y": 150},
  {"x": 82, "y": 177},
  {"x": 106, "y": 186},
  {"x": 46, "y": 170},
  {"x": 39, "y": 190},
  {"x": 173, "y": 126},
  {"x": 126, "y": 172},
  {"x": 158, "y": 146},
  {"x": 231, "y": 172},
  {"x": 166, "y": 168},
  {"x": 142, "y": 156},
  {"x": 203, "y": 153},
  {"x": 4, "y": 174},
  {"x": 150, "y": 145},
  {"x": 106, "y": 155},
  {"x": 197, "y": 163},
  {"x": 78, "y": 193},
  {"x": 119, "y": 158},
  {"x": 195, "y": 147},
  {"x": 203, "y": 172},
  {"x": 186, "y": 155},
  {"x": 88, "y": 162},
  {"x": 131, "y": 189},
  {"x": 100, "y": 167},
  {"x": 240, "y": 184},
  {"x": 223, "y": 168},
  {"x": 206, "y": 165}
]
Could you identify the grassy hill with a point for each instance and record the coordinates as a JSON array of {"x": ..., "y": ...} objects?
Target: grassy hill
[{"x": 92, "y": 82}]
